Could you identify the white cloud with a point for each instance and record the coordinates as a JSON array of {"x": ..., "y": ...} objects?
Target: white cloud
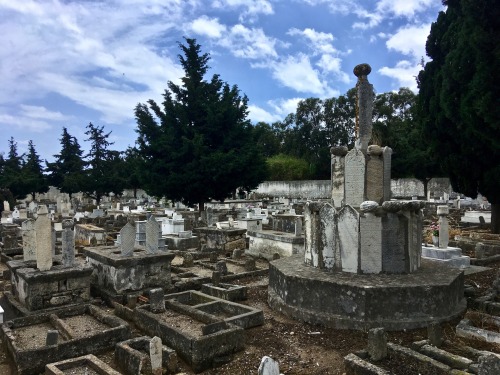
[
  {"x": 320, "y": 42},
  {"x": 405, "y": 73},
  {"x": 297, "y": 73},
  {"x": 38, "y": 112},
  {"x": 209, "y": 27},
  {"x": 249, "y": 43},
  {"x": 283, "y": 107},
  {"x": 331, "y": 64},
  {"x": 406, "y": 8},
  {"x": 410, "y": 40},
  {"x": 257, "y": 114},
  {"x": 26, "y": 123},
  {"x": 252, "y": 8}
]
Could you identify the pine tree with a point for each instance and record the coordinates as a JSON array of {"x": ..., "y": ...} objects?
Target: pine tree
[
  {"x": 33, "y": 178},
  {"x": 199, "y": 145},
  {"x": 67, "y": 171}
]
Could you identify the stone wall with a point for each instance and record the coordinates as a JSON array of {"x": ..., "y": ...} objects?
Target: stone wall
[{"x": 321, "y": 189}]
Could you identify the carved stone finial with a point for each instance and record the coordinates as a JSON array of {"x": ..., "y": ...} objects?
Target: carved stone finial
[{"x": 362, "y": 70}]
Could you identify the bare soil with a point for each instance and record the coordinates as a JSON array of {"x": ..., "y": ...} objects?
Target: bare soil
[{"x": 301, "y": 348}]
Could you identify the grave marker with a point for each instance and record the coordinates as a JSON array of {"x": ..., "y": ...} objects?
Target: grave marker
[
  {"x": 43, "y": 229},
  {"x": 29, "y": 239},
  {"x": 68, "y": 243},
  {"x": 155, "y": 355},
  {"x": 127, "y": 240},
  {"x": 152, "y": 235}
]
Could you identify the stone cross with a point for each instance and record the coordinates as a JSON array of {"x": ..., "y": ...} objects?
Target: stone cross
[
  {"x": 68, "y": 243},
  {"x": 127, "y": 240},
  {"x": 155, "y": 355},
  {"x": 152, "y": 235},
  {"x": 364, "y": 106},
  {"x": 43, "y": 230},
  {"x": 444, "y": 236},
  {"x": 29, "y": 239}
]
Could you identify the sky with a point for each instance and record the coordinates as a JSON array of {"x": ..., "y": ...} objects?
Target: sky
[{"x": 68, "y": 63}]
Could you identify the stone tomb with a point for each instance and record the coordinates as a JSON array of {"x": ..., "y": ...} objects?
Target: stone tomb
[
  {"x": 85, "y": 234},
  {"x": 116, "y": 274},
  {"x": 223, "y": 241},
  {"x": 33, "y": 290},
  {"x": 200, "y": 339},
  {"x": 80, "y": 330},
  {"x": 362, "y": 256}
]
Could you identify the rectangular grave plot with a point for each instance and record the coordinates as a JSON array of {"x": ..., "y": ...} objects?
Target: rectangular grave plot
[
  {"x": 234, "y": 313},
  {"x": 190, "y": 298},
  {"x": 88, "y": 365},
  {"x": 133, "y": 354},
  {"x": 31, "y": 358},
  {"x": 199, "y": 350},
  {"x": 228, "y": 292}
]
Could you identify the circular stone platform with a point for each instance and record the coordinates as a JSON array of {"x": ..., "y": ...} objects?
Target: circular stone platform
[{"x": 354, "y": 301}]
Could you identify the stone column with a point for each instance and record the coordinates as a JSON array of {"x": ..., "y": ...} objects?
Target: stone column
[
  {"x": 43, "y": 230},
  {"x": 444, "y": 236},
  {"x": 387, "y": 157},
  {"x": 375, "y": 175},
  {"x": 364, "y": 106}
]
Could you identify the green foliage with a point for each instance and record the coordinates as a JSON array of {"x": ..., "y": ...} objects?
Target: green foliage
[
  {"x": 199, "y": 145},
  {"x": 459, "y": 94},
  {"x": 33, "y": 178},
  {"x": 103, "y": 175},
  {"x": 67, "y": 171},
  {"x": 287, "y": 168}
]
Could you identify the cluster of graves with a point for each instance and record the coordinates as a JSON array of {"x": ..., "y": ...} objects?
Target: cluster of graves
[{"x": 173, "y": 274}]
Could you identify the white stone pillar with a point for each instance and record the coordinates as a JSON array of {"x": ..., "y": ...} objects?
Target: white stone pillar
[{"x": 444, "y": 236}]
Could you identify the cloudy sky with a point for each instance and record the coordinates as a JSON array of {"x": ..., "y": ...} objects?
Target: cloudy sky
[{"x": 68, "y": 63}]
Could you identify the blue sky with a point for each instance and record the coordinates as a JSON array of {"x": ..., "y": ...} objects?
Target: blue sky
[{"x": 68, "y": 63}]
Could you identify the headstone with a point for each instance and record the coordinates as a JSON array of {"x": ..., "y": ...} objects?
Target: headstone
[
  {"x": 216, "y": 278},
  {"x": 375, "y": 175},
  {"x": 238, "y": 253},
  {"x": 152, "y": 235},
  {"x": 188, "y": 260},
  {"x": 250, "y": 265},
  {"x": 348, "y": 229},
  {"x": 298, "y": 226},
  {"x": 355, "y": 166},
  {"x": 386, "y": 156},
  {"x": 338, "y": 174},
  {"x": 268, "y": 366},
  {"x": 364, "y": 106},
  {"x": 221, "y": 267},
  {"x": 52, "y": 337},
  {"x": 155, "y": 355},
  {"x": 43, "y": 229},
  {"x": 23, "y": 213},
  {"x": 214, "y": 257},
  {"x": 435, "y": 334},
  {"x": 371, "y": 242},
  {"x": 157, "y": 300},
  {"x": 127, "y": 240},
  {"x": 377, "y": 344},
  {"x": 394, "y": 245},
  {"x": 6, "y": 206},
  {"x": 480, "y": 250},
  {"x": 329, "y": 248},
  {"x": 29, "y": 239},
  {"x": 444, "y": 236},
  {"x": 68, "y": 243}
]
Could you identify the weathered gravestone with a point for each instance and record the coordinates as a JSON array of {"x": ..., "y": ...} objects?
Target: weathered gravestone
[
  {"x": 43, "y": 229},
  {"x": 29, "y": 239},
  {"x": 68, "y": 243},
  {"x": 127, "y": 240}
]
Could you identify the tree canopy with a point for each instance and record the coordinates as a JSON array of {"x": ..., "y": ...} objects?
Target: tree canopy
[
  {"x": 459, "y": 97},
  {"x": 198, "y": 146},
  {"x": 67, "y": 171}
]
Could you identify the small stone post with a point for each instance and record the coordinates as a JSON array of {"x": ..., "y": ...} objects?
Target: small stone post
[
  {"x": 377, "y": 344},
  {"x": 444, "y": 236},
  {"x": 435, "y": 334},
  {"x": 268, "y": 366},
  {"x": 155, "y": 355},
  {"x": 52, "y": 337}
]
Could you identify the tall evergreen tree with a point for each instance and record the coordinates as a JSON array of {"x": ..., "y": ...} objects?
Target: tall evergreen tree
[
  {"x": 199, "y": 145},
  {"x": 459, "y": 95},
  {"x": 32, "y": 174},
  {"x": 68, "y": 169},
  {"x": 11, "y": 177},
  {"x": 100, "y": 177}
]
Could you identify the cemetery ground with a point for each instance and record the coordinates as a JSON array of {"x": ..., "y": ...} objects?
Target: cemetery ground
[{"x": 303, "y": 348}]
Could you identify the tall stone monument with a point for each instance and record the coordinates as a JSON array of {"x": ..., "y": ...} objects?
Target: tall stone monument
[{"x": 362, "y": 266}]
